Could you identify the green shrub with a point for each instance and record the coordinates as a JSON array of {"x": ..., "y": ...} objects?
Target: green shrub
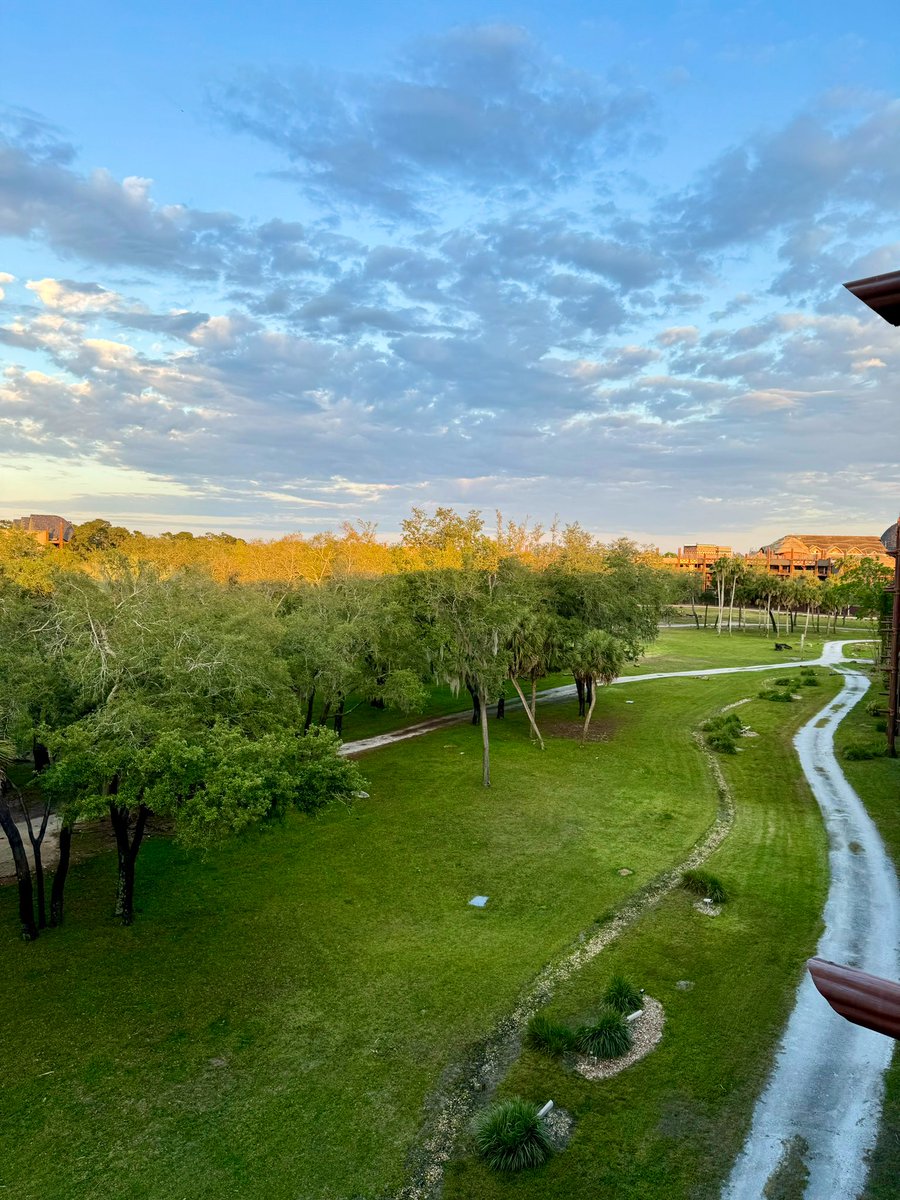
[
  {"x": 881, "y": 725},
  {"x": 725, "y": 722},
  {"x": 510, "y": 1136},
  {"x": 722, "y": 732},
  {"x": 810, "y": 681},
  {"x": 552, "y": 1037},
  {"x": 704, "y": 883},
  {"x": 807, "y": 670},
  {"x": 622, "y": 995},
  {"x": 859, "y": 751},
  {"x": 778, "y": 695},
  {"x": 784, "y": 683},
  {"x": 608, "y": 1037}
]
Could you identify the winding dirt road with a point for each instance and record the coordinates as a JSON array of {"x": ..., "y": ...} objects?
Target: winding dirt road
[{"x": 820, "y": 1109}]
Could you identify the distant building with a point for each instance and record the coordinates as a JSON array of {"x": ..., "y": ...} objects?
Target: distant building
[
  {"x": 699, "y": 559},
  {"x": 48, "y": 530},
  {"x": 818, "y": 555}
]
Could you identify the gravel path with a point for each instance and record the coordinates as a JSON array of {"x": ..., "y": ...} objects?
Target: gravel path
[{"x": 821, "y": 1107}]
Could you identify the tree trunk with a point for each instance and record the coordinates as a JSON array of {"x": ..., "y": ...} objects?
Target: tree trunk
[
  {"x": 705, "y": 614},
  {"x": 37, "y": 841},
  {"x": 309, "y": 709},
  {"x": 476, "y": 704},
  {"x": 58, "y": 888},
  {"x": 590, "y": 713},
  {"x": 127, "y": 853},
  {"x": 695, "y": 614},
  {"x": 326, "y": 713},
  {"x": 579, "y": 689},
  {"x": 528, "y": 713},
  {"x": 41, "y": 756},
  {"x": 501, "y": 708},
  {"x": 339, "y": 717},
  {"x": 23, "y": 871},
  {"x": 731, "y": 602},
  {"x": 485, "y": 741},
  {"x": 774, "y": 622},
  {"x": 533, "y": 696}
]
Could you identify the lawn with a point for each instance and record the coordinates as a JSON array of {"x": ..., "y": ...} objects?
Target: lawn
[
  {"x": 877, "y": 781},
  {"x": 275, "y": 1020},
  {"x": 671, "y": 1126}
]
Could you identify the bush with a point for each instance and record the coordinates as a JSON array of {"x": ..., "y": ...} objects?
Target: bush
[
  {"x": 881, "y": 725},
  {"x": 510, "y": 1136},
  {"x": 811, "y": 681},
  {"x": 807, "y": 670},
  {"x": 704, "y": 883},
  {"x": 722, "y": 732},
  {"x": 552, "y": 1037},
  {"x": 859, "y": 751},
  {"x": 608, "y": 1037},
  {"x": 622, "y": 995},
  {"x": 725, "y": 722},
  {"x": 778, "y": 695},
  {"x": 784, "y": 683}
]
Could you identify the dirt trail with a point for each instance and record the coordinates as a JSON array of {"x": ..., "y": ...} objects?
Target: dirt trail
[{"x": 822, "y": 1103}]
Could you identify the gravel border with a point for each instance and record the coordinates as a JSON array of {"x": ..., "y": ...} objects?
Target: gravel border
[{"x": 647, "y": 1030}]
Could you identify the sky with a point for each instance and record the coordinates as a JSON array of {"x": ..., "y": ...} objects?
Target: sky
[{"x": 271, "y": 268}]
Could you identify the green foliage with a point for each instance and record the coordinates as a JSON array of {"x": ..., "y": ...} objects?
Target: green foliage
[
  {"x": 704, "y": 883},
  {"x": 609, "y": 1036},
  {"x": 860, "y": 751},
  {"x": 811, "y": 681},
  {"x": 722, "y": 732},
  {"x": 777, "y": 695},
  {"x": 552, "y": 1037},
  {"x": 622, "y": 995},
  {"x": 510, "y": 1136}
]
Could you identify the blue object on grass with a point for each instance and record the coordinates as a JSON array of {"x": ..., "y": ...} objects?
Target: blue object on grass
[{"x": 479, "y": 901}]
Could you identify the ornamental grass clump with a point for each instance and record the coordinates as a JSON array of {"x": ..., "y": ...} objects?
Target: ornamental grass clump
[
  {"x": 549, "y": 1036},
  {"x": 722, "y": 732},
  {"x": 860, "y": 751},
  {"x": 510, "y": 1136},
  {"x": 622, "y": 995},
  {"x": 704, "y": 883},
  {"x": 608, "y": 1037}
]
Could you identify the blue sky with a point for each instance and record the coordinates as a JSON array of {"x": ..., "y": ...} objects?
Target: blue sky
[{"x": 275, "y": 267}]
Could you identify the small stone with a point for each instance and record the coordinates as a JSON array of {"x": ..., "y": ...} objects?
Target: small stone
[
  {"x": 684, "y": 985},
  {"x": 626, "y": 871},
  {"x": 218, "y": 1062}
]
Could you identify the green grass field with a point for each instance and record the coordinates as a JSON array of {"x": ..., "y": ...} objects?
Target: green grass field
[
  {"x": 670, "y": 1126},
  {"x": 276, "y": 1020}
]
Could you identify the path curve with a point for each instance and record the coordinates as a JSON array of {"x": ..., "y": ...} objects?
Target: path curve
[
  {"x": 831, "y": 653},
  {"x": 827, "y": 1084}
]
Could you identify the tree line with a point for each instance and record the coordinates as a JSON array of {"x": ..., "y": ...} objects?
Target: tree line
[{"x": 212, "y": 706}]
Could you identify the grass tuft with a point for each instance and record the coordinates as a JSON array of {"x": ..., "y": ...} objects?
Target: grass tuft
[
  {"x": 549, "y": 1036},
  {"x": 608, "y": 1037},
  {"x": 622, "y": 995},
  {"x": 510, "y": 1136},
  {"x": 704, "y": 883},
  {"x": 860, "y": 751}
]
